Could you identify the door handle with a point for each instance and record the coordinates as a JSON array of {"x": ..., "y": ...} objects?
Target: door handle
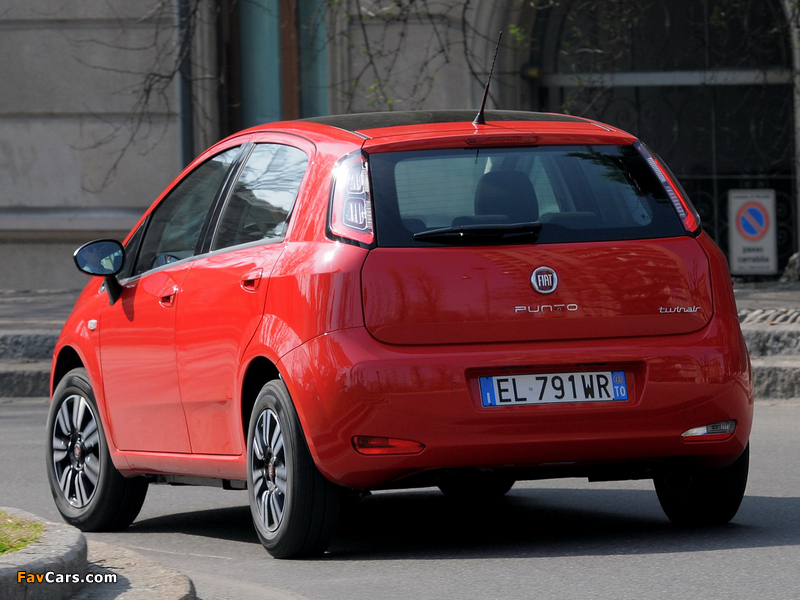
[
  {"x": 167, "y": 299},
  {"x": 251, "y": 281}
]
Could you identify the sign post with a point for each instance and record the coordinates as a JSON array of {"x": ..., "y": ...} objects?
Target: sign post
[{"x": 752, "y": 241}]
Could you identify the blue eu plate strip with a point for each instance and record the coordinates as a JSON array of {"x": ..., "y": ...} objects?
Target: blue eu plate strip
[
  {"x": 487, "y": 391},
  {"x": 619, "y": 385}
]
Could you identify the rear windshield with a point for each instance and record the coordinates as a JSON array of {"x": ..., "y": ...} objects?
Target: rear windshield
[{"x": 577, "y": 193}]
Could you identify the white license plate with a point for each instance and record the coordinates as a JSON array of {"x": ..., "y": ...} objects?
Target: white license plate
[{"x": 554, "y": 388}]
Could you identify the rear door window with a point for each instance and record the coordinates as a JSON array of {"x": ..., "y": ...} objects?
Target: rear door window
[
  {"x": 259, "y": 207},
  {"x": 577, "y": 193}
]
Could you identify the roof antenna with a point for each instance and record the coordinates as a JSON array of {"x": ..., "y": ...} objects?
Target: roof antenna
[{"x": 480, "y": 119}]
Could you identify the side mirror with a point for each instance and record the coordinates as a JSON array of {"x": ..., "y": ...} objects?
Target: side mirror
[{"x": 102, "y": 258}]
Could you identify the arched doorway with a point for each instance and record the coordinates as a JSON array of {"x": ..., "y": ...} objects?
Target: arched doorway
[{"x": 706, "y": 83}]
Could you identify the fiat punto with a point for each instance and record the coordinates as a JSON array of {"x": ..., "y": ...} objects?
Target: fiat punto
[{"x": 323, "y": 307}]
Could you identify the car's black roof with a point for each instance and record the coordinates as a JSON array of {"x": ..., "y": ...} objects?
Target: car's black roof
[{"x": 361, "y": 121}]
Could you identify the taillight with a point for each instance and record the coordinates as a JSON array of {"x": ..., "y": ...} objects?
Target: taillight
[
  {"x": 678, "y": 197},
  {"x": 350, "y": 217}
]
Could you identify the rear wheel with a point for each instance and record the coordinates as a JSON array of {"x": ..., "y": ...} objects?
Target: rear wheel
[
  {"x": 88, "y": 490},
  {"x": 475, "y": 484},
  {"x": 704, "y": 496},
  {"x": 294, "y": 508}
]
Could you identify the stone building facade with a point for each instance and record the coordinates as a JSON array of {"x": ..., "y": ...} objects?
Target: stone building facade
[{"x": 104, "y": 102}]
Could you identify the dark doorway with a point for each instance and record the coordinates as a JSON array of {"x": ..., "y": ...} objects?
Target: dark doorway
[{"x": 706, "y": 83}]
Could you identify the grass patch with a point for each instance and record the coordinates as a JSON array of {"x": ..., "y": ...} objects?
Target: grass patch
[{"x": 16, "y": 533}]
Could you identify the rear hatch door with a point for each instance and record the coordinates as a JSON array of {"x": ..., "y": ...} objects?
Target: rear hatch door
[
  {"x": 487, "y": 294},
  {"x": 603, "y": 251}
]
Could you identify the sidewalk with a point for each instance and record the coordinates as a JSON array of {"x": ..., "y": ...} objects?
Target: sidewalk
[
  {"x": 30, "y": 322},
  {"x": 38, "y": 310},
  {"x": 767, "y": 295},
  {"x": 62, "y": 551}
]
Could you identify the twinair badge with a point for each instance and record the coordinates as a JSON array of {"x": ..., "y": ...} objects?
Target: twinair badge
[{"x": 544, "y": 280}]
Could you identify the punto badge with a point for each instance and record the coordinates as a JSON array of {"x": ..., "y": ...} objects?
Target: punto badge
[{"x": 544, "y": 280}]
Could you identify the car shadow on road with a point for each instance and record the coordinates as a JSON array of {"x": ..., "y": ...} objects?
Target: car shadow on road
[
  {"x": 542, "y": 522},
  {"x": 231, "y": 523},
  {"x": 548, "y": 522}
]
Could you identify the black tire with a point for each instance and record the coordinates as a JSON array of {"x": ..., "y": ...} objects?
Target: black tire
[
  {"x": 294, "y": 508},
  {"x": 88, "y": 490},
  {"x": 475, "y": 485},
  {"x": 704, "y": 497}
]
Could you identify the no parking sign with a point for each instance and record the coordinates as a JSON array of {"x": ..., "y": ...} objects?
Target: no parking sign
[{"x": 751, "y": 232}]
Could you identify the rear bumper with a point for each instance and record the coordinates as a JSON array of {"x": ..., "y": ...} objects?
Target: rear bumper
[{"x": 346, "y": 384}]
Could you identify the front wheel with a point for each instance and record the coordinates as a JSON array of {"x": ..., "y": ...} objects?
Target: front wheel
[
  {"x": 294, "y": 508},
  {"x": 704, "y": 496},
  {"x": 88, "y": 490}
]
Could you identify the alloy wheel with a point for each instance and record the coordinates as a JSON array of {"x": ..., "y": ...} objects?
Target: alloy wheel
[
  {"x": 268, "y": 470},
  {"x": 76, "y": 450}
]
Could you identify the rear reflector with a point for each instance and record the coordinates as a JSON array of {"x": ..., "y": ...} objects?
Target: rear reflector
[
  {"x": 715, "y": 431},
  {"x": 367, "y": 444}
]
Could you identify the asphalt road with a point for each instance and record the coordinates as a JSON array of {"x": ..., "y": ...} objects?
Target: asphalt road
[{"x": 551, "y": 539}]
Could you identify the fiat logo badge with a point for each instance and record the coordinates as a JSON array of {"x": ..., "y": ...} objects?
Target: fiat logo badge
[{"x": 544, "y": 280}]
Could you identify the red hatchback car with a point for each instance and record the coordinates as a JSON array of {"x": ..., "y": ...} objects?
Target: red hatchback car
[{"x": 332, "y": 305}]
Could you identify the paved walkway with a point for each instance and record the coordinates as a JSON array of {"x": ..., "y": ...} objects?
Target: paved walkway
[
  {"x": 44, "y": 310},
  {"x": 767, "y": 295}
]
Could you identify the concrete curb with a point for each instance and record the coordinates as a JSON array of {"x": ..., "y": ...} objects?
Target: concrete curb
[
  {"x": 763, "y": 339},
  {"x": 27, "y": 344},
  {"x": 63, "y": 549},
  {"x": 60, "y": 550},
  {"x": 21, "y": 377},
  {"x": 138, "y": 577},
  {"x": 776, "y": 377}
]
